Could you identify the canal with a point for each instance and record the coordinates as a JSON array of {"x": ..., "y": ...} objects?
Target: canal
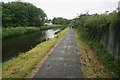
[{"x": 14, "y": 46}]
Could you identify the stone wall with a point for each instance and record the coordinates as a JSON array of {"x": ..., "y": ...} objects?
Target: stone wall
[{"x": 111, "y": 40}]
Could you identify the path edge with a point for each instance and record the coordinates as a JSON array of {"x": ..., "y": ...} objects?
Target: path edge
[{"x": 36, "y": 68}]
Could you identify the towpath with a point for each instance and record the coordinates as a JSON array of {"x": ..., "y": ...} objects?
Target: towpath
[{"x": 64, "y": 62}]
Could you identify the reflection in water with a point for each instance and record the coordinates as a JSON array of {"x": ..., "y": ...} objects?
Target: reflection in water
[
  {"x": 13, "y": 46},
  {"x": 52, "y": 32}
]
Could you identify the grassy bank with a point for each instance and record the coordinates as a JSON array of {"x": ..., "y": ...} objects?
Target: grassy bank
[
  {"x": 104, "y": 65},
  {"x": 19, "y": 67},
  {"x": 51, "y": 26},
  {"x": 16, "y": 31}
]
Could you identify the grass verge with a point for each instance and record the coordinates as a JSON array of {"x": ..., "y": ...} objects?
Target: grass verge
[
  {"x": 51, "y": 26},
  {"x": 16, "y": 31},
  {"x": 19, "y": 67},
  {"x": 92, "y": 66}
]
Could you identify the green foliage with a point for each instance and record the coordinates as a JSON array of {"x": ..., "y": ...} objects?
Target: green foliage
[
  {"x": 109, "y": 60},
  {"x": 8, "y": 32},
  {"x": 11, "y": 31},
  {"x": 92, "y": 28},
  {"x": 52, "y": 26},
  {"x": 95, "y": 25},
  {"x": 60, "y": 21},
  {"x": 25, "y": 62},
  {"x": 15, "y": 14}
]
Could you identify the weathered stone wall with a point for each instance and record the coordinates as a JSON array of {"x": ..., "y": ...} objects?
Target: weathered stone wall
[{"x": 111, "y": 40}]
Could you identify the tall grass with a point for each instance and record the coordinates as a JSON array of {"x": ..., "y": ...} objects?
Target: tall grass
[
  {"x": 8, "y": 32},
  {"x": 19, "y": 67},
  {"x": 92, "y": 28},
  {"x": 16, "y": 31},
  {"x": 111, "y": 61}
]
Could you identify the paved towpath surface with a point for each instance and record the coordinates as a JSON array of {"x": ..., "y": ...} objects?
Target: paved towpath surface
[{"x": 64, "y": 62}]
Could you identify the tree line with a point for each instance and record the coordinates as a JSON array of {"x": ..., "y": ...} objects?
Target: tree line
[
  {"x": 15, "y": 14},
  {"x": 99, "y": 30},
  {"x": 61, "y": 21},
  {"x": 96, "y": 25}
]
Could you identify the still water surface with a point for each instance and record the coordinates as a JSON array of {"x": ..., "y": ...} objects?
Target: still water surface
[{"x": 12, "y": 47}]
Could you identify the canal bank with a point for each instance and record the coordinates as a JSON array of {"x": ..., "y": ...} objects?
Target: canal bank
[
  {"x": 17, "y": 31},
  {"x": 13, "y": 46},
  {"x": 19, "y": 67}
]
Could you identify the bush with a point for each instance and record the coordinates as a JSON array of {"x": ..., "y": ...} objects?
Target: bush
[{"x": 92, "y": 28}]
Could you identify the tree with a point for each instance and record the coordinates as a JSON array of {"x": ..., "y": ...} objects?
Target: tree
[
  {"x": 18, "y": 13},
  {"x": 61, "y": 21}
]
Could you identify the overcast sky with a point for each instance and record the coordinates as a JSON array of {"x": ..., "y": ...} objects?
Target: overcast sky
[{"x": 69, "y": 8}]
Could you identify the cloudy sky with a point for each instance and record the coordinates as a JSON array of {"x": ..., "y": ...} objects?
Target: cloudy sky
[{"x": 70, "y": 8}]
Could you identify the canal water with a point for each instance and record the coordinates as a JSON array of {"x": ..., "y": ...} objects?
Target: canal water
[{"x": 13, "y": 46}]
